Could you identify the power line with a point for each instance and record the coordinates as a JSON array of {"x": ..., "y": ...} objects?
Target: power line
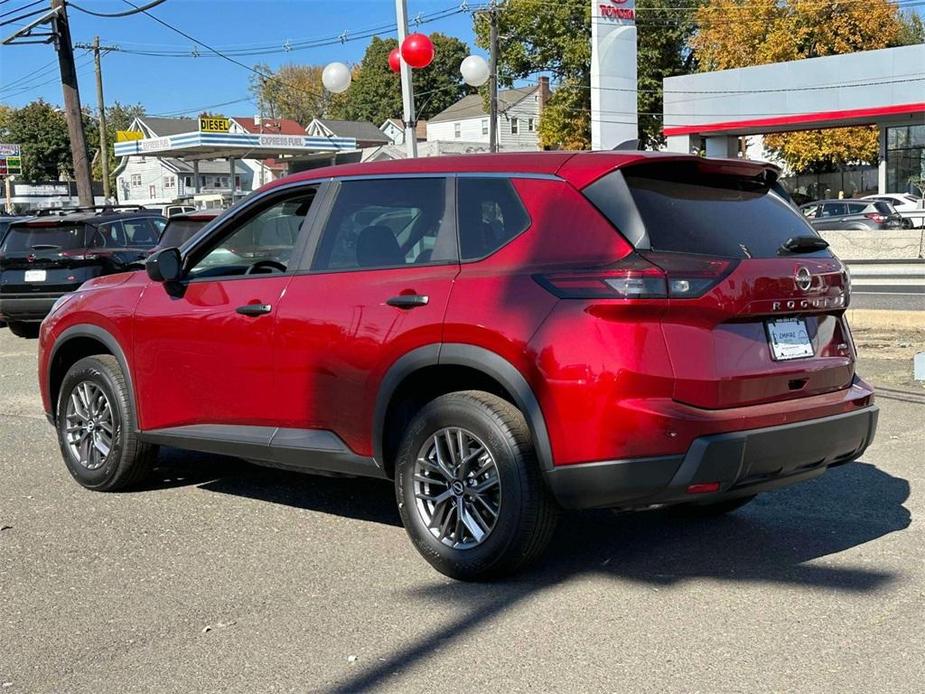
[
  {"x": 127, "y": 13},
  {"x": 22, "y": 17},
  {"x": 286, "y": 46},
  {"x": 24, "y": 7}
]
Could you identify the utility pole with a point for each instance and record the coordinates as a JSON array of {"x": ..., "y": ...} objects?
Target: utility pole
[
  {"x": 493, "y": 79},
  {"x": 101, "y": 105},
  {"x": 407, "y": 89},
  {"x": 72, "y": 111}
]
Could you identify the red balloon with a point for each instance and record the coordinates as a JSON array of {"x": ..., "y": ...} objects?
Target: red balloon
[
  {"x": 417, "y": 50},
  {"x": 395, "y": 60}
]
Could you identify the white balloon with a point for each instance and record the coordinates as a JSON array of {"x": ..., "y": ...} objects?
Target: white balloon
[
  {"x": 336, "y": 77},
  {"x": 474, "y": 70}
]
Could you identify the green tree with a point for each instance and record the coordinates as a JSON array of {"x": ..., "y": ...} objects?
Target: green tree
[
  {"x": 539, "y": 36},
  {"x": 375, "y": 93},
  {"x": 42, "y": 131}
]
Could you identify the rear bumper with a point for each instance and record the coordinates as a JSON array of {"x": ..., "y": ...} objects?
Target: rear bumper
[
  {"x": 27, "y": 307},
  {"x": 742, "y": 462}
]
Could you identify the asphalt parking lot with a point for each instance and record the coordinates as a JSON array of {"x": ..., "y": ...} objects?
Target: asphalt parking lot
[{"x": 221, "y": 576}]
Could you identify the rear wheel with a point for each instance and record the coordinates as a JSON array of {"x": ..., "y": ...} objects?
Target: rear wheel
[
  {"x": 714, "y": 509},
  {"x": 469, "y": 488},
  {"x": 29, "y": 330},
  {"x": 96, "y": 426}
]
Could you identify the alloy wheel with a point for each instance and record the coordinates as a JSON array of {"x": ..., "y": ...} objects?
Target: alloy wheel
[
  {"x": 457, "y": 488},
  {"x": 89, "y": 425}
]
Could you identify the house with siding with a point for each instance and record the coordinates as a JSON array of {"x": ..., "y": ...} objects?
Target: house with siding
[{"x": 519, "y": 113}]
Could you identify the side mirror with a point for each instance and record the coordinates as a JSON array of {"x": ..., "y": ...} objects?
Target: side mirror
[{"x": 164, "y": 266}]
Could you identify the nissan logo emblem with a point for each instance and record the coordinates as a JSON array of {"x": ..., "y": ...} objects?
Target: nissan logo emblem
[{"x": 804, "y": 278}]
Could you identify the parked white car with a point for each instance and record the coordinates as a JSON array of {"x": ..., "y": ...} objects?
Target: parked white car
[{"x": 910, "y": 207}]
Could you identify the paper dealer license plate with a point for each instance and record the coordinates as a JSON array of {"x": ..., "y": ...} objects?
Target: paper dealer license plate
[
  {"x": 35, "y": 275},
  {"x": 789, "y": 339}
]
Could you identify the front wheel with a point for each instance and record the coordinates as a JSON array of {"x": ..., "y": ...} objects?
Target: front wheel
[
  {"x": 469, "y": 488},
  {"x": 96, "y": 427}
]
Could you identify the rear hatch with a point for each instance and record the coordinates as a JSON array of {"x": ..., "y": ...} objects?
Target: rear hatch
[
  {"x": 45, "y": 256},
  {"x": 749, "y": 317}
]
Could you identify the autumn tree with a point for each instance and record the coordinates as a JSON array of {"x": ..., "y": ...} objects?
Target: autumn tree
[
  {"x": 540, "y": 36},
  {"x": 293, "y": 91},
  {"x": 738, "y": 33}
]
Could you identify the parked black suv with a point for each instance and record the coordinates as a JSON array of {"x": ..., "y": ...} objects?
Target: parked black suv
[{"x": 47, "y": 256}]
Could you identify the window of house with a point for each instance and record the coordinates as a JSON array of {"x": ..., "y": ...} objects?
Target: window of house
[
  {"x": 484, "y": 126},
  {"x": 457, "y": 129},
  {"x": 515, "y": 126},
  {"x": 490, "y": 214},
  {"x": 531, "y": 125},
  {"x": 136, "y": 180},
  {"x": 384, "y": 223},
  {"x": 170, "y": 181},
  {"x": 152, "y": 191},
  {"x": 188, "y": 181},
  {"x": 269, "y": 236},
  {"x": 237, "y": 182}
]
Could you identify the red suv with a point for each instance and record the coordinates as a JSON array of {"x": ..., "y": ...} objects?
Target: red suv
[{"x": 502, "y": 335}]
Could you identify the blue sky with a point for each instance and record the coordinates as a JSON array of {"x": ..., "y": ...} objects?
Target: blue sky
[{"x": 165, "y": 84}]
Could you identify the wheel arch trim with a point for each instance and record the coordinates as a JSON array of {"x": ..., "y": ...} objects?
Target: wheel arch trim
[
  {"x": 108, "y": 340},
  {"x": 480, "y": 359}
]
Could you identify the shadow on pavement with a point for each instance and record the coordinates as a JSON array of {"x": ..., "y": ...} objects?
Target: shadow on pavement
[
  {"x": 773, "y": 540},
  {"x": 769, "y": 541}
]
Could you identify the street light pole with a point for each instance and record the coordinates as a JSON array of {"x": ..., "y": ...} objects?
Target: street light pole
[{"x": 407, "y": 89}]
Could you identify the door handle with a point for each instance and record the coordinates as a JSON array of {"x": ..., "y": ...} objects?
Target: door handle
[
  {"x": 253, "y": 309},
  {"x": 408, "y": 300}
]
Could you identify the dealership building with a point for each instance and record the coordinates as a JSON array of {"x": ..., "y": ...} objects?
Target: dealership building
[{"x": 711, "y": 110}]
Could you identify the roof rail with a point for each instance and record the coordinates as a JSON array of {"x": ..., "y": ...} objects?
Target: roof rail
[{"x": 99, "y": 209}]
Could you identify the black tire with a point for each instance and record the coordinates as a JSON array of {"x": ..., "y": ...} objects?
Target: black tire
[
  {"x": 129, "y": 460},
  {"x": 712, "y": 510},
  {"x": 527, "y": 513},
  {"x": 27, "y": 330}
]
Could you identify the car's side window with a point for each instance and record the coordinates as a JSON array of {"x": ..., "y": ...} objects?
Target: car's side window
[
  {"x": 382, "y": 223},
  {"x": 139, "y": 233},
  {"x": 856, "y": 207},
  {"x": 261, "y": 243},
  {"x": 490, "y": 215},
  {"x": 810, "y": 211},
  {"x": 109, "y": 235},
  {"x": 834, "y": 209}
]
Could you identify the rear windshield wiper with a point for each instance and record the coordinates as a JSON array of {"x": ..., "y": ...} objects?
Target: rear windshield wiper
[
  {"x": 803, "y": 244},
  {"x": 45, "y": 247}
]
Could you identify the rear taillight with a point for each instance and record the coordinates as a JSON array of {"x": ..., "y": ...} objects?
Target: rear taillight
[
  {"x": 78, "y": 255},
  {"x": 647, "y": 276},
  {"x": 879, "y": 218}
]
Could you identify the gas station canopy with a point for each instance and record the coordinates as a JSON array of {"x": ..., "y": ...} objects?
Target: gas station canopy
[{"x": 221, "y": 145}]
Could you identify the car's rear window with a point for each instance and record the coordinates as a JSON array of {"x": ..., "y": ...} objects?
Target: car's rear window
[
  {"x": 678, "y": 207},
  {"x": 180, "y": 230},
  {"x": 883, "y": 207},
  {"x": 27, "y": 238}
]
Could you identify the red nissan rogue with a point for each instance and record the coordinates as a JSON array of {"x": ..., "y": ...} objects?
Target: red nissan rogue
[{"x": 503, "y": 335}]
